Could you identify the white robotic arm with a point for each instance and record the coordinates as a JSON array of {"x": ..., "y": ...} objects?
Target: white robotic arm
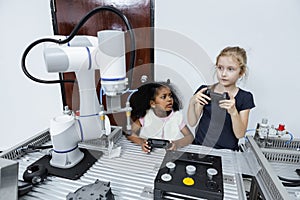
[
  {"x": 87, "y": 53},
  {"x": 83, "y": 56}
]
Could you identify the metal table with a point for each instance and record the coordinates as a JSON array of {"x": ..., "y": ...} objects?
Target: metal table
[{"x": 131, "y": 175}]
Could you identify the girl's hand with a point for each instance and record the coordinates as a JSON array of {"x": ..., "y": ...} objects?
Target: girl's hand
[
  {"x": 200, "y": 97},
  {"x": 172, "y": 146},
  {"x": 229, "y": 105},
  {"x": 145, "y": 146}
]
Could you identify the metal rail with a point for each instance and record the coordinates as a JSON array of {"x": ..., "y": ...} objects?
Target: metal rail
[
  {"x": 267, "y": 180},
  {"x": 19, "y": 150}
]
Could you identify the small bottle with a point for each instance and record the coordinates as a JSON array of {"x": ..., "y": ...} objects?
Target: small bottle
[
  {"x": 263, "y": 128},
  {"x": 272, "y": 131}
]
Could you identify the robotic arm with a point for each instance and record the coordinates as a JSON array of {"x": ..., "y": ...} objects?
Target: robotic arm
[{"x": 83, "y": 55}]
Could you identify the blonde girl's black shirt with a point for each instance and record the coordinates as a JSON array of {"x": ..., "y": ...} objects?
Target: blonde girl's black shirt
[{"x": 227, "y": 140}]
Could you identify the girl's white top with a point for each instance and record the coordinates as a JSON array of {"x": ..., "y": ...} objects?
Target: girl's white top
[{"x": 168, "y": 128}]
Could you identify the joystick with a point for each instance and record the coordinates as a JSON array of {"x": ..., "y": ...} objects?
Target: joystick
[
  {"x": 226, "y": 95},
  {"x": 158, "y": 143},
  {"x": 207, "y": 92},
  {"x": 219, "y": 96}
]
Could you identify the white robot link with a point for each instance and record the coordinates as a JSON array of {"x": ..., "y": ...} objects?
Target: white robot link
[{"x": 83, "y": 55}]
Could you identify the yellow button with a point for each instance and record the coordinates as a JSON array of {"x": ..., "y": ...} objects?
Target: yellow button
[{"x": 188, "y": 181}]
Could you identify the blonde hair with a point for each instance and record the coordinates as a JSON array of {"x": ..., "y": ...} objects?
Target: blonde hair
[{"x": 238, "y": 54}]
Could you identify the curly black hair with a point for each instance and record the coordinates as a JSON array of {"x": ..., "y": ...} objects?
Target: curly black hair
[{"x": 140, "y": 100}]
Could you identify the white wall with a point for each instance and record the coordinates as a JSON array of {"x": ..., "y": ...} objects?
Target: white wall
[
  {"x": 269, "y": 31},
  {"x": 26, "y": 106}
]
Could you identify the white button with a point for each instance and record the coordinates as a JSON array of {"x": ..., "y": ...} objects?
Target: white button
[
  {"x": 211, "y": 172},
  {"x": 190, "y": 169},
  {"x": 171, "y": 166},
  {"x": 166, "y": 177}
]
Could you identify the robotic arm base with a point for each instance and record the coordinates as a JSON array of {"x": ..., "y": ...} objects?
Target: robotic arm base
[{"x": 66, "y": 160}]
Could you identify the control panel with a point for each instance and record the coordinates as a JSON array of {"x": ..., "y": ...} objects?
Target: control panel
[{"x": 184, "y": 175}]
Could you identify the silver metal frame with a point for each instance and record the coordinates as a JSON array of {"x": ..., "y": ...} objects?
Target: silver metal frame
[
  {"x": 18, "y": 150},
  {"x": 267, "y": 180}
]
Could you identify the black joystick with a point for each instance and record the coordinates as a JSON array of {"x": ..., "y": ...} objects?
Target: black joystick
[
  {"x": 211, "y": 94},
  {"x": 158, "y": 143},
  {"x": 226, "y": 95},
  {"x": 207, "y": 92}
]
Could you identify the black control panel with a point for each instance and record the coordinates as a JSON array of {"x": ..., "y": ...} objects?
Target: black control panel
[{"x": 185, "y": 175}]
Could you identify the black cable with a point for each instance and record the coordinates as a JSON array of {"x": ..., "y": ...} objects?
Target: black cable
[
  {"x": 40, "y": 147},
  {"x": 24, "y": 65},
  {"x": 72, "y": 35},
  {"x": 289, "y": 182}
]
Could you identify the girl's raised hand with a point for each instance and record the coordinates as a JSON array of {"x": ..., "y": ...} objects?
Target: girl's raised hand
[
  {"x": 229, "y": 104},
  {"x": 200, "y": 97}
]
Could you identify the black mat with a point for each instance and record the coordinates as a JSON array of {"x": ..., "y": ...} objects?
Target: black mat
[{"x": 73, "y": 173}]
